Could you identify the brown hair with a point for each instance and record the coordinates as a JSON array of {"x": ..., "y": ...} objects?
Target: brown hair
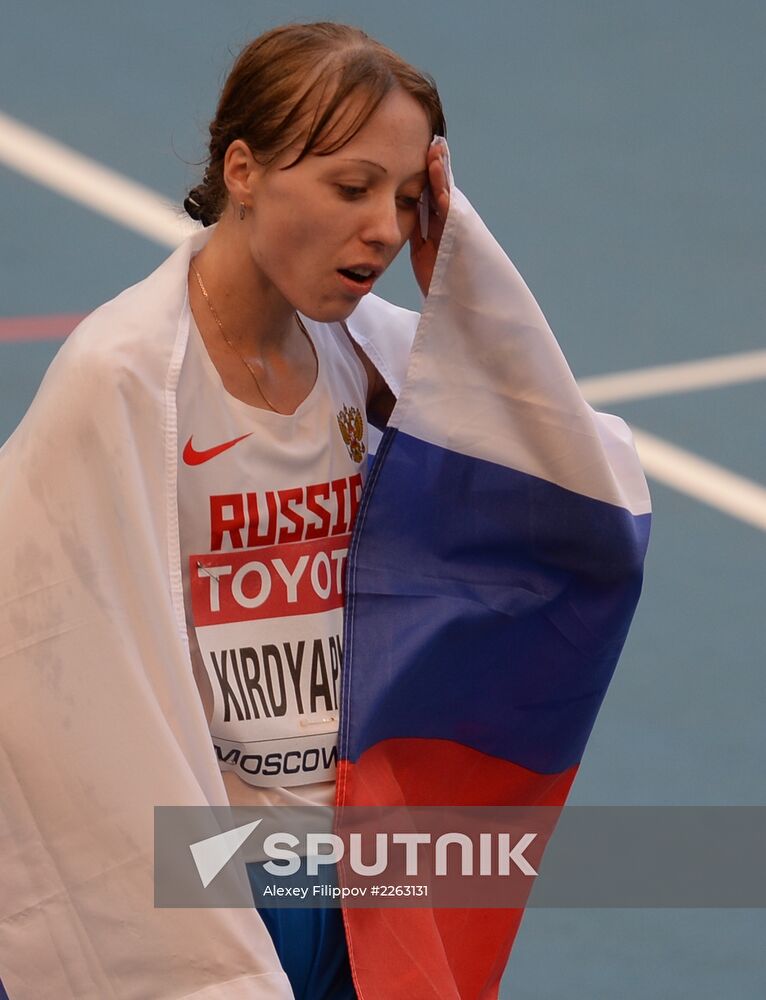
[{"x": 296, "y": 80}]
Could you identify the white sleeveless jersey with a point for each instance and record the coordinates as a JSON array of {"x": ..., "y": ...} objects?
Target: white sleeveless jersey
[{"x": 266, "y": 506}]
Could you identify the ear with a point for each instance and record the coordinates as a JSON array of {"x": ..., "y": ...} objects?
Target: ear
[{"x": 241, "y": 173}]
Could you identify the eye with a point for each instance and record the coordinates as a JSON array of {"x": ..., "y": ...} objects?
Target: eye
[
  {"x": 348, "y": 191},
  {"x": 409, "y": 202}
]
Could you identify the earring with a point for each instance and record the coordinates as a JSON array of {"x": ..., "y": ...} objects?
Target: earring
[{"x": 241, "y": 211}]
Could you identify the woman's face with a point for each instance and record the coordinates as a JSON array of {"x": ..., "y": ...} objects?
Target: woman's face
[{"x": 353, "y": 208}]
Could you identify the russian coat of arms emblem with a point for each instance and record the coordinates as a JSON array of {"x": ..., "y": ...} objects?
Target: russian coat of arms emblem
[{"x": 351, "y": 425}]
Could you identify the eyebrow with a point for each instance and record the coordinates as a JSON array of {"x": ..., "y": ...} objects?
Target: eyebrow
[{"x": 372, "y": 163}]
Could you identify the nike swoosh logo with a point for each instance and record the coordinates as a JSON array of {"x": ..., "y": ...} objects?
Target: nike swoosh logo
[{"x": 193, "y": 457}]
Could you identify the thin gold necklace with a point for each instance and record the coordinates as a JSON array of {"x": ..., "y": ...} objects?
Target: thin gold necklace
[{"x": 241, "y": 356}]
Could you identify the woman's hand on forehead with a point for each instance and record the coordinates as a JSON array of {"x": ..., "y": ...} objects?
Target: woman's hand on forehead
[{"x": 423, "y": 251}]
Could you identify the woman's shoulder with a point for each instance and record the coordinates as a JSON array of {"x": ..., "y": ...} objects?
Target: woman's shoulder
[
  {"x": 117, "y": 360},
  {"x": 136, "y": 330}
]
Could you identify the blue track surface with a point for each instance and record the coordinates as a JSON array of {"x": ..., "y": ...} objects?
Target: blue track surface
[{"x": 617, "y": 152}]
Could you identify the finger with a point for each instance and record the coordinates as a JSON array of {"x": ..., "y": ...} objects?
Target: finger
[
  {"x": 439, "y": 183},
  {"x": 419, "y": 233},
  {"x": 443, "y": 203},
  {"x": 416, "y": 239},
  {"x": 436, "y": 227},
  {"x": 440, "y": 143},
  {"x": 424, "y": 211},
  {"x": 436, "y": 175}
]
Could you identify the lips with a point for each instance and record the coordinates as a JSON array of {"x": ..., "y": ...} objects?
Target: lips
[{"x": 359, "y": 278}]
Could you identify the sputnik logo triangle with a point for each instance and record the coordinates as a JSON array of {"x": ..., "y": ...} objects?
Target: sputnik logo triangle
[
  {"x": 211, "y": 854},
  {"x": 193, "y": 457}
]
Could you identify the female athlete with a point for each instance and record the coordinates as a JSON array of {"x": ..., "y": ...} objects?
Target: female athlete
[{"x": 206, "y": 600}]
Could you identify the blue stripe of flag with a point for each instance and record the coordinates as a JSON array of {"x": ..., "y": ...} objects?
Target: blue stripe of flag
[{"x": 486, "y": 606}]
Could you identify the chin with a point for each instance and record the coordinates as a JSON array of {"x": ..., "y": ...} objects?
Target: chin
[{"x": 332, "y": 312}]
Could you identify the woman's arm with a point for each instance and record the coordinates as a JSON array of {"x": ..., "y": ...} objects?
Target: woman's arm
[
  {"x": 427, "y": 233},
  {"x": 424, "y": 249}
]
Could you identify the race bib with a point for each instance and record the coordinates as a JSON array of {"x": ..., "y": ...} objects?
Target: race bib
[{"x": 269, "y": 623}]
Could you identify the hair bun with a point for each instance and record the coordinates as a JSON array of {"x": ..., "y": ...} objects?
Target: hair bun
[{"x": 194, "y": 205}]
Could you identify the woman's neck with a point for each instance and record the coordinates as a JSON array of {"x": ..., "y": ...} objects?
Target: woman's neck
[{"x": 254, "y": 314}]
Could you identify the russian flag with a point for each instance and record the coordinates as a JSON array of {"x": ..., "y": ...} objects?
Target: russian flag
[{"x": 494, "y": 571}]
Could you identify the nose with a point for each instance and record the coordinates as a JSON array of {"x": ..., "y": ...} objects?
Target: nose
[{"x": 384, "y": 225}]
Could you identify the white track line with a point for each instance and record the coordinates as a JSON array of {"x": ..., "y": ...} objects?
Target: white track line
[
  {"x": 140, "y": 209},
  {"x": 703, "y": 480},
  {"x": 685, "y": 376},
  {"x": 61, "y": 169}
]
